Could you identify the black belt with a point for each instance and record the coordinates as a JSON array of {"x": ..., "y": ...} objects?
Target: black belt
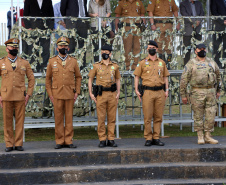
[
  {"x": 137, "y": 24},
  {"x": 161, "y": 21},
  {"x": 156, "y": 88},
  {"x": 107, "y": 89}
]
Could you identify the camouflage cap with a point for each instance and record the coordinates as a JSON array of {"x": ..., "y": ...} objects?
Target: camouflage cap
[
  {"x": 12, "y": 42},
  {"x": 63, "y": 41}
]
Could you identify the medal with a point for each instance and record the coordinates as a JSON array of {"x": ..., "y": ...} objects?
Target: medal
[
  {"x": 13, "y": 64},
  {"x": 148, "y": 71},
  {"x": 112, "y": 67},
  {"x": 63, "y": 63}
]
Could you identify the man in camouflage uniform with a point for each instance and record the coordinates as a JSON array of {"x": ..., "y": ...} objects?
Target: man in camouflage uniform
[{"x": 204, "y": 77}]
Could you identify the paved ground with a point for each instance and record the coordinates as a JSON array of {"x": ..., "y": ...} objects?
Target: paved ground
[{"x": 123, "y": 144}]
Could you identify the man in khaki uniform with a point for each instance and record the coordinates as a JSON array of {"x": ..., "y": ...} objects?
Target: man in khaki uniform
[
  {"x": 63, "y": 82},
  {"x": 13, "y": 94},
  {"x": 130, "y": 8},
  {"x": 163, "y": 8},
  {"x": 204, "y": 77},
  {"x": 154, "y": 76},
  {"x": 108, "y": 81}
]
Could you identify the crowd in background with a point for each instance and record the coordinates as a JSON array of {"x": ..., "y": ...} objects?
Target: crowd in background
[{"x": 102, "y": 8}]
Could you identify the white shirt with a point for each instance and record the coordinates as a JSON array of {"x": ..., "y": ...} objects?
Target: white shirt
[
  {"x": 40, "y": 3},
  {"x": 81, "y": 8}
]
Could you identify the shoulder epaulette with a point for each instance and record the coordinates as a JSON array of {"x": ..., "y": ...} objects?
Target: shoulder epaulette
[
  {"x": 53, "y": 56},
  {"x": 97, "y": 62},
  {"x": 2, "y": 58},
  {"x": 72, "y": 56}
]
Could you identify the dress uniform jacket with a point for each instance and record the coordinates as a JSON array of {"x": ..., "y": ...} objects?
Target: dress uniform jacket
[
  {"x": 63, "y": 82},
  {"x": 13, "y": 81}
]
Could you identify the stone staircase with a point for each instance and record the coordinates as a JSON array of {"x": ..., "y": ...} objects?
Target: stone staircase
[{"x": 184, "y": 163}]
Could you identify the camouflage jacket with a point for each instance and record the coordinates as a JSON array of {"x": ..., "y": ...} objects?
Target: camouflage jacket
[{"x": 199, "y": 73}]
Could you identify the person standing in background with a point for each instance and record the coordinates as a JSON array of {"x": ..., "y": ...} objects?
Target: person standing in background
[
  {"x": 163, "y": 8},
  {"x": 192, "y": 27},
  {"x": 40, "y": 8},
  {"x": 59, "y": 23},
  {"x": 218, "y": 8},
  {"x": 98, "y": 8},
  {"x": 9, "y": 22},
  {"x": 76, "y": 8},
  {"x": 130, "y": 8}
]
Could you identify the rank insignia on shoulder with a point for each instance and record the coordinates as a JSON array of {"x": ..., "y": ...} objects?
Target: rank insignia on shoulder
[
  {"x": 53, "y": 56},
  {"x": 2, "y": 58}
]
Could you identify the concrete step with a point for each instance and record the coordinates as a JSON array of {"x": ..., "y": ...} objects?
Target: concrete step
[
  {"x": 158, "y": 182},
  {"x": 110, "y": 173},
  {"x": 109, "y": 157}
]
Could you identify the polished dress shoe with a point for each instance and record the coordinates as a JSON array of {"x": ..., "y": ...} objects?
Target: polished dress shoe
[
  {"x": 102, "y": 144},
  {"x": 70, "y": 146},
  {"x": 148, "y": 143},
  {"x": 9, "y": 149},
  {"x": 19, "y": 148},
  {"x": 111, "y": 143},
  {"x": 157, "y": 142},
  {"x": 58, "y": 146}
]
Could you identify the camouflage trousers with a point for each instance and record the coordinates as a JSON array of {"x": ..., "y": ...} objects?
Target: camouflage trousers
[{"x": 204, "y": 103}]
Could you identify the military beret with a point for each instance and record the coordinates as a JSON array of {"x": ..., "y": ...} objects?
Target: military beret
[
  {"x": 200, "y": 46},
  {"x": 153, "y": 43},
  {"x": 63, "y": 41},
  {"x": 12, "y": 42},
  {"x": 106, "y": 47}
]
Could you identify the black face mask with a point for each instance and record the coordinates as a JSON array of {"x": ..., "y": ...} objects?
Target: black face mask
[
  {"x": 13, "y": 52},
  {"x": 202, "y": 54},
  {"x": 152, "y": 52},
  {"x": 105, "y": 56},
  {"x": 63, "y": 51}
]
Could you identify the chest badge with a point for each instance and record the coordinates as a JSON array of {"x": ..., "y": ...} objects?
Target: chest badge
[
  {"x": 137, "y": 3},
  {"x": 112, "y": 67}
]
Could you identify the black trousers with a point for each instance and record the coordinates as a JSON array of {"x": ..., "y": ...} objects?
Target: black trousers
[
  {"x": 187, "y": 42},
  {"x": 222, "y": 53}
]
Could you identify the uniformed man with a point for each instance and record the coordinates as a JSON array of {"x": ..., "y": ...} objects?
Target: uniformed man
[
  {"x": 63, "y": 82},
  {"x": 106, "y": 94},
  {"x": 163, "y": 8},
  {"x": 203, "y": 75},
  {"x": 13, "y": 96},
  {"x": 154, "y": 74},
  {"x": 130, "y": 8}
]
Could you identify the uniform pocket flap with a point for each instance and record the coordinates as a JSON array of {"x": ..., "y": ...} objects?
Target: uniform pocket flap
[
  {"x": 54, "y": 86},
  {"x": 55, "y": 69},
  {"x": 22, "y": 72},
  {"x": 72, "y": 86},
  {"x": 4, "y": 71},
  {"x": 23, "y": 88},
  {"x": 72, "y": 69},
  {"x": 4, "y": 89}
]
